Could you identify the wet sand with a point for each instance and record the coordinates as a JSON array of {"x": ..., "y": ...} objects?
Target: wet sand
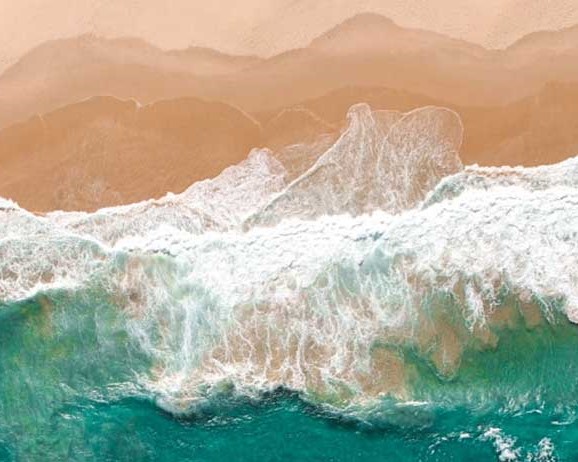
[{"x": 200, "y": 111}]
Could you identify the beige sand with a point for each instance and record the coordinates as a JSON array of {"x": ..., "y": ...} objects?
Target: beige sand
[
  {"x": 265, "y": 27},
  {"x": 108, "y": 150},
  {"x": 367, "y": 50}
]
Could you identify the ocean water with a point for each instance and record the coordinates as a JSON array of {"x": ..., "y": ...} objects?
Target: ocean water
[
  {"x": 61, "y": 400},
  {"x": 373, "y": 299}
]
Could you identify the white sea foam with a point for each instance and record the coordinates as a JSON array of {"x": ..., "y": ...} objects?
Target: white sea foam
[
  {"x": 263, "y": 280},
  {"x": 383, "y": 161},
  {"x": 505, "y": 446},
  {"x": 508, "y": 451}
]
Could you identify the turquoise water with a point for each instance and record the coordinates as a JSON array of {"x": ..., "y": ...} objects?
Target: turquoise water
[
  {"x": 350, "y": 313},
  {"x": 282, "y": 428},
  {"x": 68, "y": 392}
]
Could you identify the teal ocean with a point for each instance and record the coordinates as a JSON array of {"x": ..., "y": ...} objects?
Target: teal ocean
[
  {"x": 61, "y": 400},
  {"x": 376, "y": 300}
]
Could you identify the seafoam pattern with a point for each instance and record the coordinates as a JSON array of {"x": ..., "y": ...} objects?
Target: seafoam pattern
[{"x": 313, "y": 271}]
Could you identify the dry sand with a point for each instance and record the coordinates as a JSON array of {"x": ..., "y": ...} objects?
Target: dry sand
[{"x": 265, "y": 27}]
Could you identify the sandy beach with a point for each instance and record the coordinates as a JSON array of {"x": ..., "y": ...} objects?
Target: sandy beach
[{"x": 93, "y": 121}]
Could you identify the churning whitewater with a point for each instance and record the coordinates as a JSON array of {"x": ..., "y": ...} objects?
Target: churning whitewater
[{"x": 339, "y": 273}]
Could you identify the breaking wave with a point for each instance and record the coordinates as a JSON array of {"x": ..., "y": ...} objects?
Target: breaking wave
[{"x": 374, "y": 269}]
